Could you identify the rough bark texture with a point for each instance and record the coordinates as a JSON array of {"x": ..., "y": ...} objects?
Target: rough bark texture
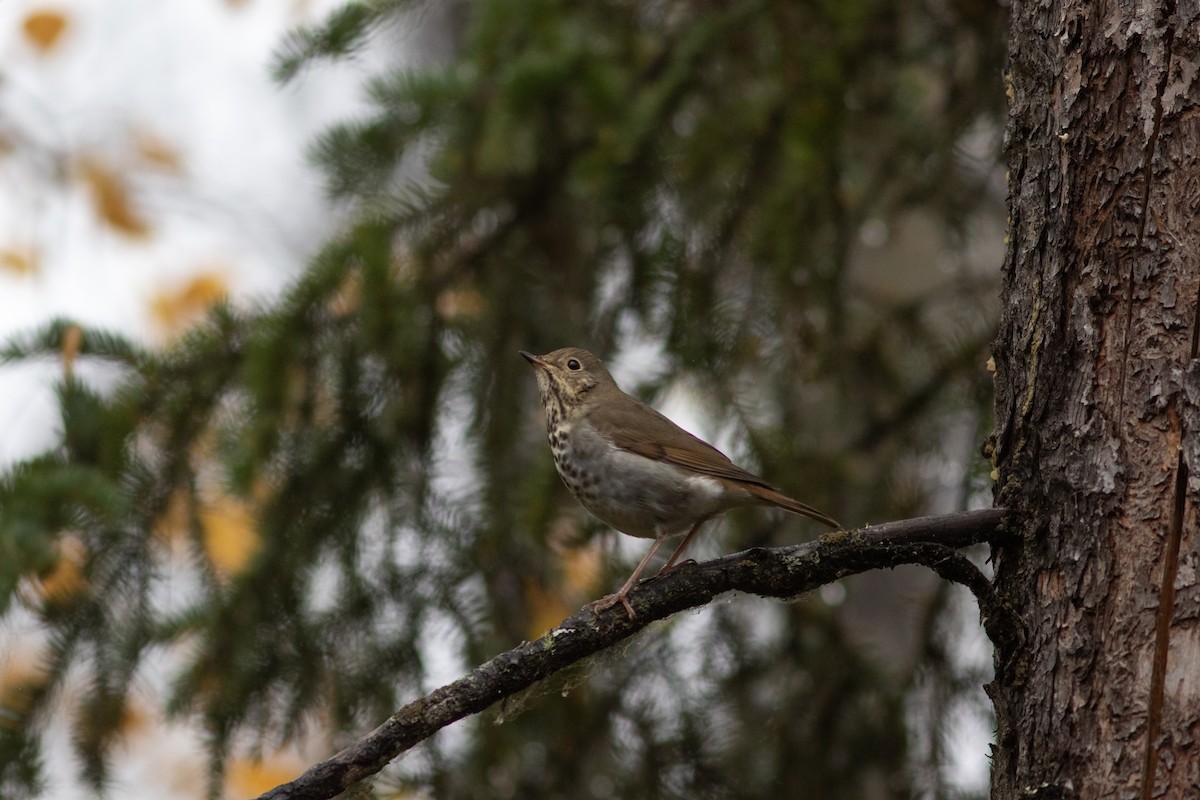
[{"x": 1097, "y": 391}]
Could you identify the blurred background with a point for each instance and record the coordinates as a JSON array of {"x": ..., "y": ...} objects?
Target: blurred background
[{"x": 271, "y": 467}]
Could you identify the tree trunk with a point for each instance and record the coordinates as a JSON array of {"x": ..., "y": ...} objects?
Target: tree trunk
[{"x": 1097, "y": 387}]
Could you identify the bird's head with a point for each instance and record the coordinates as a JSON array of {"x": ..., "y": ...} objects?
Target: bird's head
[{"x": 567, "y": 379}]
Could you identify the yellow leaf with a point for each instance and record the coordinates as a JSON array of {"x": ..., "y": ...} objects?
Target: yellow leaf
[
  {"x": 136, "y": 718},
  {"x": 453, "y": 304},
  {"x": 248, "y": 778},
  {"x": 65, "y": 579},
  {"x": 110, "y": 198},
  {"x": 582, "y": 569},
  {"x": 173, "y": 523},
  {"x": 71, "y": 342},
  {"x": 346, "y": 300},
  {"x": 20, "y": 259},
  {"x": 22, "y": 674},
  {"x": 230, "y": 534},
  {"x": 180, "y": 307},
  {"x": 44, "y": 28},
  {"x": 158, "y": 153},
  {"x": 546, "y": 606}
]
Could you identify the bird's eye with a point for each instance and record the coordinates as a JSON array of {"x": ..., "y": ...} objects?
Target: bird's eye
[{"x": 574, "y": 364}]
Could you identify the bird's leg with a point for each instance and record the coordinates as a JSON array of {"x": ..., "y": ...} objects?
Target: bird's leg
[
  {"x": 622, "y": 594},
  {"x": 670, "y": 565}
]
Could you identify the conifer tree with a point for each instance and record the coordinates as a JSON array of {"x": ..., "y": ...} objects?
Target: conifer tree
[{"x": 680, "y": 184}]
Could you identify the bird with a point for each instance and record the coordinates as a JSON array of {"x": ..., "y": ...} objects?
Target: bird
[{"x": 633, "y": 468}]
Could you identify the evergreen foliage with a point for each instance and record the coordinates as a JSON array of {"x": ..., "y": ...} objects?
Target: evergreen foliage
[{"x": 685, "y": 177}]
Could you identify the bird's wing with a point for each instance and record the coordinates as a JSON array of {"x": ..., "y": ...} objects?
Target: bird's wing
[{"x": 661, "y": 439}]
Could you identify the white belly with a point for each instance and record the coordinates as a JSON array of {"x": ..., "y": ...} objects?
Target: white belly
[{"x": 636, "y": 495}]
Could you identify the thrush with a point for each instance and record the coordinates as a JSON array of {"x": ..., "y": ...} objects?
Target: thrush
[{"x": 633, "y": 468}]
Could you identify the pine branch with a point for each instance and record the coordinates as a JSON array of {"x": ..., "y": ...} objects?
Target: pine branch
[{"x": 783, "y": 572}]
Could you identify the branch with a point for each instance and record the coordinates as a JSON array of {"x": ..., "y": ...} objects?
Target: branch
[{"x": 769, "y": 572}]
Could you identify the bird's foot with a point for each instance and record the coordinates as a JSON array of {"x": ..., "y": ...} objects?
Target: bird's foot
[
  {"x": 607, "y": 602},
  {"x": 669, "y": 568}
]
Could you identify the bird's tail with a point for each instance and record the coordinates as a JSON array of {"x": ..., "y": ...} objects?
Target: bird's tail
[{"x": 788, "y": 504}]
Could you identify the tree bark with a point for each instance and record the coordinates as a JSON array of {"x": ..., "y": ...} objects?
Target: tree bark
[{"x": 1097, "y": 389}]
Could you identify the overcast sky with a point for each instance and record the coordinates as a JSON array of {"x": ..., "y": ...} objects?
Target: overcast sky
[
  {"x": 146, "y": 160},
  {"x": 170, "y": 106}
]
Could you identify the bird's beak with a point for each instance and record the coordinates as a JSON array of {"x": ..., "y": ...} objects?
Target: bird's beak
[{"x": 535, "y": 361}]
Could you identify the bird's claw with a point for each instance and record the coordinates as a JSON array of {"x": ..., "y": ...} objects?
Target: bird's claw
[{"x": 607, "y": 602}]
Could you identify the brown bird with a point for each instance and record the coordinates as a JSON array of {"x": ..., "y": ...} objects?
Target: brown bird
[{"x": 633, "y": 468}]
